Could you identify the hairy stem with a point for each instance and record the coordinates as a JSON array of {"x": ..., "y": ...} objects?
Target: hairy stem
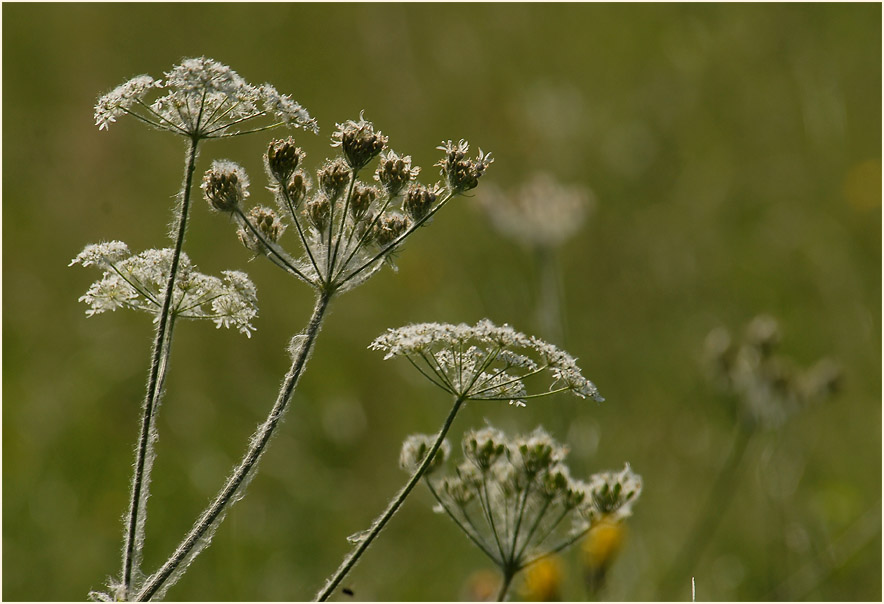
[
  {"x": 381, "y": 521},
  {"x": 214, "y": 513},
  {"x": 159, "y": 361}
]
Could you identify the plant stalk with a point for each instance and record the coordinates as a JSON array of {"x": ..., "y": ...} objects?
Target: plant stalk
[
  {"x": 381, "y": 521},
  {"x": 228, "y": 494},
  {"x": 505, "y": 586},
  {"x": 161, "y": 350},
  {"x": 712, "y": 513}
]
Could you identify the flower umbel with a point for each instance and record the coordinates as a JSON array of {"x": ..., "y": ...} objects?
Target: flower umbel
[
  {"x": 346, "y": 227},
  {"x": 485, "y": 361},
  {"x": 540, "y": 213},
  {"x": 461, "y": 173},
  {"x": 203, "y": 99},
  {"x": 769, "y": 388},
  {"x": 515, "y": 499},
  {"x": 138, "y": 282}
]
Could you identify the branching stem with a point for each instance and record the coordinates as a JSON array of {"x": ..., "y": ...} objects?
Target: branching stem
[
  {"x": 227, "y": 495},
  {"x": 381, "y": 521},
  {"x": 161, "y": 350}
]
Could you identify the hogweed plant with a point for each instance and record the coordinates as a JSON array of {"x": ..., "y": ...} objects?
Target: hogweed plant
[
  {"x": 481, "y": 362},
  {"x": 762, "y": 390},
  {"x": 515, "y": 499},
  {"x": 198, "y": 100},
  {"x": 541, "y": 215},
  {"x": 346, "y": 228}
]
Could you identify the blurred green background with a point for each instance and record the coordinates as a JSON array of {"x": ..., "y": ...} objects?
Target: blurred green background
[{"x": 734, "y": 152}]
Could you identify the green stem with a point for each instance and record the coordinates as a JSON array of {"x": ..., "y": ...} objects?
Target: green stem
[
  {"x": 504, "y": 588},
  {"x": 712, "y": 513},
  {"x": 159, "y": 361},
  {"x": 379, "y": 523},
  {"x": 213, "y": 514}
]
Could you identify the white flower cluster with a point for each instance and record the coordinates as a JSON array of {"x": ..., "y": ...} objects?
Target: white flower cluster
[
  {"x": 139, "y": 281},
  {"x": 484, "y": 361},
  {"x": 516, "y": 500},
  {"x": 204, "y": 99},
  {"x": 541, "y": 212}
]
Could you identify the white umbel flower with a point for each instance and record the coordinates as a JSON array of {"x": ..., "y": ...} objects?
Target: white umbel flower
[
  {"x": 485, "y": 361},
  {"x": 138, "y": 282},
  {"x": 203, "y": 99}
]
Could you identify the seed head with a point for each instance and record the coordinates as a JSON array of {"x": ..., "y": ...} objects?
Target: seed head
[
  {"x": 225, "y": 185},
  {"x": 296, "y": 188},
  {"x": 395, "y": 171},
  {"x": 390, "y": 227},
  {"x": 334, "y": 177},
  {"x": 359, "y": 141},
  {"x": 418, "y": 201},
  {"x": 461, "y": 173},
  {"x": 283, "y": 158},
  {"x": 362, "y": 199},
  {"x": 267, "y": 224},
  {"x": 318, "y": 211}
]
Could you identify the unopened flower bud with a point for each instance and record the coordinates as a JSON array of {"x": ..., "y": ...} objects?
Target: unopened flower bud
[
  {"x": 415, "y": 449},
  {"x": 283, "y": 158},
  {"x": 225, "y": 185}
]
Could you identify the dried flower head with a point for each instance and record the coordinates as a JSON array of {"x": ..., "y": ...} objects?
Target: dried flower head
[
  {"x": 461, "y": 173},
  {"x": 203, "y": 99},
  {"x": 295, "y": 191},
  {"x": 540, "y": 213},
  {"x": 282, "y": 159},
  {"x": 485, "y": 361},
  {"x": 391, "y": 226},
  {"x": 358, "y": 141},
  {"x": 138, "y": 282},
  {"x": 318, "y": 212},
  {"x": 419, "y": 200},
  {"x": 514, "y": 497},
  {"x": 334, "y": 177},
  {"x": 225, "y": 185},
  {"x": 347, "y": 229},
  {"x": 395, "y": 171},
  {"x": 362, "y": 199}
]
